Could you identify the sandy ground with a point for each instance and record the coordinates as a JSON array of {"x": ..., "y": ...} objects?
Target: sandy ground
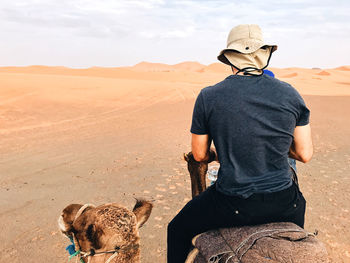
[{"x": 111, "y": 134}]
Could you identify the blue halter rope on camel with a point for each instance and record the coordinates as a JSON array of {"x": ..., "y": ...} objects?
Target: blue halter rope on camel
[{"x": 72, "y": 252}]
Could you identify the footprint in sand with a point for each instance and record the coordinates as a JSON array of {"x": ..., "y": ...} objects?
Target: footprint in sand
[
  {"x": 324, "y": 218},
  {"x": 174, "y": 193},
  {"x": 158, "y": 226},
  {"x": 168, "y": 180},
  {"x": 146, "y": 192},
  {"x": 158, "y": 218},
  {"x": 160, "y": 189},
  {"x": 166, "y": 208},
  {"x": 332, "y": 244},
  {"x": 172, "y": 187},
  {"x": 159, "y": 196},
  {"x": 337, "y": 227},
  {"x": 38, "y": 238}
]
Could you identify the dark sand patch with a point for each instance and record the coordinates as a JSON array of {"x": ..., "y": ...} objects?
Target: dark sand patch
[
  {"x": 343, "y": 83},
  {"x": 344, "y": 68},
  {"x": 323, "y": 73},
  {"x": 292, "y": 75}
]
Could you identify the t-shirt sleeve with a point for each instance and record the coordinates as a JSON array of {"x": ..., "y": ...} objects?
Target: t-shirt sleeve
[
  {"x": 304, "y": 113},
  {"x": 199, "y": 123}
]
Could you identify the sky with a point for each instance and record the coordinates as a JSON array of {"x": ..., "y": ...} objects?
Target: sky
[{"x": 112, "y": 33}]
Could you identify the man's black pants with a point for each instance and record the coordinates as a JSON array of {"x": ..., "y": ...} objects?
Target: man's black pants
[{"x": 212, "y": 209}]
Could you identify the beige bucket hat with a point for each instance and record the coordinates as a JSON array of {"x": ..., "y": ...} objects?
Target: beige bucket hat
[{"x": 246, "y": 48}]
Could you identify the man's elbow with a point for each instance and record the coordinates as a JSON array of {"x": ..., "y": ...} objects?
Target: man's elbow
[
  {"x": 306, "y": 156},
  {"x": 200, "y": 157}
]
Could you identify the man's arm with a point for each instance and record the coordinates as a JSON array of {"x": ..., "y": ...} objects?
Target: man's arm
[
  {"x": 201, "y": 148},
  {"x": 302, "y": 148}
]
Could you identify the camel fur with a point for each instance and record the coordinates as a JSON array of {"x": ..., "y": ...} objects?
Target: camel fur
[
  {"x": 198, "y": 171},
  {"x": 104, "y": 228}
]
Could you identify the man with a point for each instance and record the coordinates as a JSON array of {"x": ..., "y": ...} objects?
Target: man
[{"x": 256, "y": 122}]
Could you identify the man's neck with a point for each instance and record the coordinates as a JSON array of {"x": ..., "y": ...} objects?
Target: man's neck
[{"x": 234, "y": 71}]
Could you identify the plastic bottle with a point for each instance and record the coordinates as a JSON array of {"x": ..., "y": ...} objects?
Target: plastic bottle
[{"x": 212, "y": 172}]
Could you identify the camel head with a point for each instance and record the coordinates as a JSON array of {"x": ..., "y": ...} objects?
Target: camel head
[
  {"x": 197, "y": 172},
  {"x": 193, "y": 166},
  {"x": 109, "y": 228}
]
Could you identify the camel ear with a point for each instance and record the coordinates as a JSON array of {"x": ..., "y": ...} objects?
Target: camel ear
[
  {"x": 186, "y": 158},
  {"x": 93, "y": 234},
  {"x": 65, "y": 221},
  {"x": 142, "y": 210}
]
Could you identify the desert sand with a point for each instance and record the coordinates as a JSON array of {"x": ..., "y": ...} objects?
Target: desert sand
[{"x": 103, "y": 135}]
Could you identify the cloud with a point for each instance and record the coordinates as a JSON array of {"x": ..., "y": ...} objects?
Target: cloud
[{"x": 143, "y": 28}]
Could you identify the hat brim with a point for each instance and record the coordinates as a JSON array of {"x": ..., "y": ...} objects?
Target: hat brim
[{"x": 241, "y": 49}]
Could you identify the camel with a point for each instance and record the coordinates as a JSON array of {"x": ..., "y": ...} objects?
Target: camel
[
  {"x": 107, "y": 233},
  {"x": 197, "y": 172},
  {"x": 274, "y": 242}
]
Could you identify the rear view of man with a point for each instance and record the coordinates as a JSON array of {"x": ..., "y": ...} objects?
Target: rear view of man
[{"x": 256, "y": 122}]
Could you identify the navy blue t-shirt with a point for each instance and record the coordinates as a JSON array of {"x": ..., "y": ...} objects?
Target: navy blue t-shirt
[{"x": 251, "y": 120}]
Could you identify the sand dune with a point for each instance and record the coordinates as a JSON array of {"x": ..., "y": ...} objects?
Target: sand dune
[
  {"x": 323, "y": 73},
  {"x": 151, "y": 67},
  {"x": 189, "y": 66},
  {"x": 101, "y": 135},
  {"x": 199, "y": 74},
  {"x": 291, "y": 75},
  {"x": 343, "y": 68},
  {"x": 159, "y": 67},
  {"x": 218, "y": 67}
]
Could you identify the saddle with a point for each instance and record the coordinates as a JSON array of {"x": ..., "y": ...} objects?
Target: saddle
[{"x": 268, "y": 243}]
